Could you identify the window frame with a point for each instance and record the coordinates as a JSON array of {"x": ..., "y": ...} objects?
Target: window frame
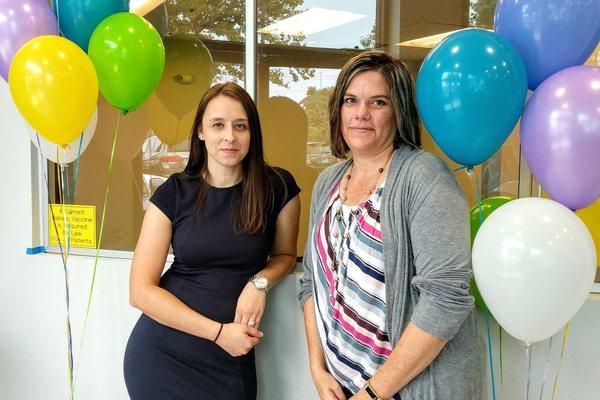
[{"x": 39, "y": 201}]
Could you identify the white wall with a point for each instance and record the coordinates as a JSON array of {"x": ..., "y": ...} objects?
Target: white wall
[{"x": 33, "y": 357}]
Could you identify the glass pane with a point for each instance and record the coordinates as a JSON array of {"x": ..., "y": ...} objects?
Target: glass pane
[
  {"x": 302, "y": 46},
  {"x": 204, "y": 42},
  {"x": 333, "y": 24},
  {"x": 421, "y": 28}
]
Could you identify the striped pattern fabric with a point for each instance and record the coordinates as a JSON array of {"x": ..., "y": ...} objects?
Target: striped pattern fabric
[{"x": 349, "y": 289}]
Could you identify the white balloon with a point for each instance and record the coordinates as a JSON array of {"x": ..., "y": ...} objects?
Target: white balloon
[
  {"x": 67, "y": 154},
  {"x": 534, "y": 262}
]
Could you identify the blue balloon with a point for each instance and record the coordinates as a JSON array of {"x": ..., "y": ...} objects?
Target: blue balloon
[
  {"x": 77, "y": 19},
  {"x": 550, "y": 35},
  {"x": 470, "y": 93}
]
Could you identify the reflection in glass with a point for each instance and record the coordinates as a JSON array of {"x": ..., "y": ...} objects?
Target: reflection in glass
[
  {"x": 301, "y": 60},
  {"x": 302, "y": 44},
  {"x": 205, "y": 45}
]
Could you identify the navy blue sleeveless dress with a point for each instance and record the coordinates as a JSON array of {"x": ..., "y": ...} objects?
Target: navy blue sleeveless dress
[{"x": 212, "y": 265}]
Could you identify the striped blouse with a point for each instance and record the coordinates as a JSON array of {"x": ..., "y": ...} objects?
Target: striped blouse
[{"x": 349, "y": 289}]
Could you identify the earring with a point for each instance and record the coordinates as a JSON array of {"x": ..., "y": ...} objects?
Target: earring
[{"x": 200, "y": 137}]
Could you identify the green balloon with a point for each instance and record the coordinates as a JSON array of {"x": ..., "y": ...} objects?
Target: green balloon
[
  {"x": 488, "y": 206},
  {"x": 129, "y": 57}
]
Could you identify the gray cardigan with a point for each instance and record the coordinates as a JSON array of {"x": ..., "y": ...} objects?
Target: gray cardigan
[{"x": 427, "y": 260}]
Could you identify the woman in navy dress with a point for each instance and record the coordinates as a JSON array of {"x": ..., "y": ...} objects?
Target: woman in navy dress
[{"x": 232, "y": 222}]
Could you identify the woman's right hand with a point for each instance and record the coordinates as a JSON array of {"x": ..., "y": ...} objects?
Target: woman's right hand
[
  {"x": 238, "y": 339},
  {"x": 327, "y": 386}
]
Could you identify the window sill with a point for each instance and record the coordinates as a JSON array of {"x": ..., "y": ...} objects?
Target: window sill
[
  {"x": 128, "y": 255},
  {"x": 118, "y": 254}
]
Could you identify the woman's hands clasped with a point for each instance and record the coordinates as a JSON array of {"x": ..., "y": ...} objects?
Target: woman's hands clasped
[{"x": 239, "y": 337}]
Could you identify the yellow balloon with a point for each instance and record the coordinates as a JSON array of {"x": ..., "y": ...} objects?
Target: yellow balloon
[
  {"x": 169, "y": 128},
  {"x": 591, "y": 218},
  {"x": 188, "y": 74},
  {"x": 54, "y": 85},
  {"x": 594, "y": 59}
]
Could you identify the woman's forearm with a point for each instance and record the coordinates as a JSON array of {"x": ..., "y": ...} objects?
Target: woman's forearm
[
  {"x": 415, "y": 350},
  {"x": 283, "y": 255},
  {"x": 315, "y": 352},
  {"x": 278, "y": 267},
  {"x": 160, "y": 305}
]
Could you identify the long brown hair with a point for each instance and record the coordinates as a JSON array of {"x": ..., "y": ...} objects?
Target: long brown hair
[
  {"x": 402, "y": 96},
  {"x": 250, "y": 212}
]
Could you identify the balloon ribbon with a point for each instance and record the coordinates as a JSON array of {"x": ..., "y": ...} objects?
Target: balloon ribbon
[
  {"x": 562, "y": 353},
  {"x": 64, "y": 257},
  {"x": 485, "y": 313},
  {"x": 528, "y": 347},
  {"x": 94, "y": 270},
  {"x": 548, "y": 354}
]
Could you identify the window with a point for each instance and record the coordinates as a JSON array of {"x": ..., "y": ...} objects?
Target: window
[
  {"x": 301, "y": 46},
  {"x": 301, "y": 53},
  {"x": 153, "y": 140}
]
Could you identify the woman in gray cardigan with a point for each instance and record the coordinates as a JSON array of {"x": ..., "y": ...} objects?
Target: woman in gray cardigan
[{"x": 385, "y": 290}]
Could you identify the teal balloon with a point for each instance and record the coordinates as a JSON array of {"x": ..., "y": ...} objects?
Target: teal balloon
[
  {"x": 477, "y": 215},
  {"x": 77, "y": 19},
  {"x": 471, "y": 90}
]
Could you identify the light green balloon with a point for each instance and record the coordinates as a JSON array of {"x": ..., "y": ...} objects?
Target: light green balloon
[
  {"x": 129, "y": 57},
  {"x": 488, "y": 206}
]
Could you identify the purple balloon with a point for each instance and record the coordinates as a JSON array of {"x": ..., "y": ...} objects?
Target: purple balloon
[
  {"x": 560, "y": 136},
  {"x": 21, "y": 21},
  {"x": 549, "y": 35}
]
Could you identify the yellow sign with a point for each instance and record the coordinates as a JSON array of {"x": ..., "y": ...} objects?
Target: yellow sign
[{"x": 81, "y": 223}]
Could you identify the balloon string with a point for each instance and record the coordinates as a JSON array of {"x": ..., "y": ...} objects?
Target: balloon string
[
  {"x": 479, "y": 205},
  {"x": 94, "y": 270},
  {"x": 490, "y": 352},
  {"x": 500, "y": 350},
  {"x": 486, "y": 314},
  {"x": 64, "y": 189},
  {"x": 548, "y": 354},
  {"x": 67, "y": 231},
  {"x": 66, "y": 274},
  {"x": 527, "y": 369},
  {"x": 76, "y": 172},
  {"x": 562, "y": 353},
  {"x": 461, "y": 167},
  {"x": 66, "y": 196}
]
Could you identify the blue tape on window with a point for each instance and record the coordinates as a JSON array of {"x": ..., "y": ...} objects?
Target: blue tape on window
[{"x": 35, "y": 250}]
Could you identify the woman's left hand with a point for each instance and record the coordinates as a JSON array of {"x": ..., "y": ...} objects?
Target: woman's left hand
[
  {"x": 361, "y": 395},
  {"x": 250, "y": 306}
]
